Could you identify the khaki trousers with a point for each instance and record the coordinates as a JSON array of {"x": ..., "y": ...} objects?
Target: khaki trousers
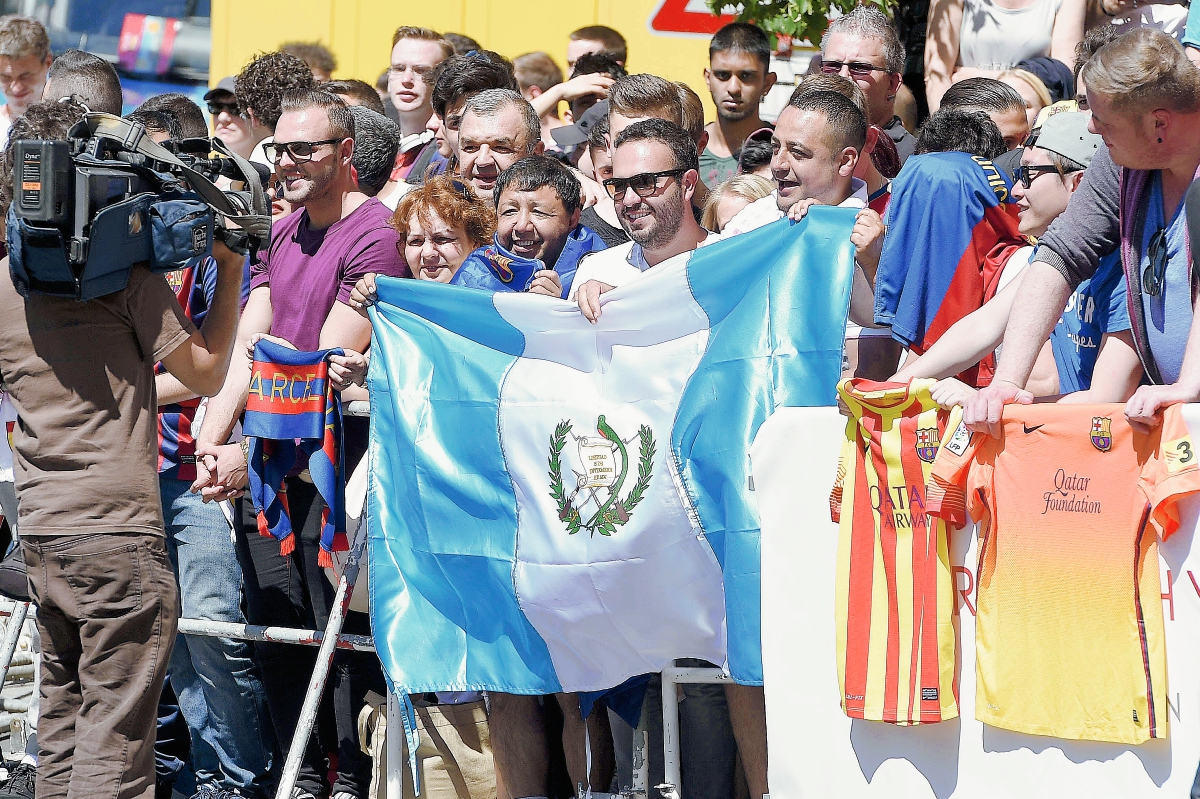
[
  {"x": 454, "y": 756},
  {"x": 108, "y": 609}
]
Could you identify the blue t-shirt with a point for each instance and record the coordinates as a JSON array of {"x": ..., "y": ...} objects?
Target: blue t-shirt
[
  {"x": 1096, "y": 307},
  {"x": 1169, "y": 315}
]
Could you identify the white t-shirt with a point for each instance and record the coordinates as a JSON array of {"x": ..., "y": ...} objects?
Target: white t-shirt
[
  {"x": 765, "y": 210},
  {"x": 622, "y": 264},
  {"x": 392, "y": 200}
]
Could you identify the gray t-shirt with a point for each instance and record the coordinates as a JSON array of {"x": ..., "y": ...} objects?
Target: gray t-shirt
[{"x": 81, "y": 375}]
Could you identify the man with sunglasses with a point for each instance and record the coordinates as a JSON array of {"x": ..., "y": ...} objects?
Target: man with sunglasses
[
  {"x": 864, "y": 47},
  {"x": 228, "y": 124},
  {"x": 1144, "y": 97},
  {"x": 299, "y": 293},
  {"x": 655, "y": 172},
  {"x": 1090, "y": 354}
]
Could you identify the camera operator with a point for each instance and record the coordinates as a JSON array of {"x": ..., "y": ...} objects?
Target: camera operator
[
  {"x": 86, "y": 78},
  {"x": 81, "y": 375}
]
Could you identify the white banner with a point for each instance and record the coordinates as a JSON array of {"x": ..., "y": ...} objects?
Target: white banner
[{"x": 816, "y": 751}]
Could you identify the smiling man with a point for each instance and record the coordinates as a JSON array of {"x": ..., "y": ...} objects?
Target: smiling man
[
  {"x": 300, "y": 292},
  {"x": 24, "y": 60},
  {"x": 498, "y": 128},
  {"x": 738, "y": 77},
  {"x": 539, "y": 240}
]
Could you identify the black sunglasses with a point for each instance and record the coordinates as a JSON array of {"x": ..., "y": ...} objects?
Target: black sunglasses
[
  {"x": 1156, "y": 271},
  {"x": 643, "y": 185},
  {"x": 217, "y": 108},
  {"x": 858, "y": 69},
  {"x": 1026, "y": 175},
  {"x": 300, "y": 151}
]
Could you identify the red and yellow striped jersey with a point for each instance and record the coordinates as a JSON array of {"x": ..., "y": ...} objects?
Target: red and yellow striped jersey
[
  {"x": 1069, "y": 638},
  {"x": 895, "y": 600}
]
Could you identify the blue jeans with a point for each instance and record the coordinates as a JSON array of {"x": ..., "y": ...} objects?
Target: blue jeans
[{"x": 219, "y": 691}]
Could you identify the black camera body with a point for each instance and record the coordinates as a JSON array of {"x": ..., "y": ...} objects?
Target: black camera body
[{"x": 87, "y": 209}]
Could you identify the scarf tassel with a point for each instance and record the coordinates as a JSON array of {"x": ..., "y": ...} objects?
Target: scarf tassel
[{"x": 287, "y": 545}]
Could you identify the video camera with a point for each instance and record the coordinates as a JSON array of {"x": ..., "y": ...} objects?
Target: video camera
[{"x": 87, "y": 209}]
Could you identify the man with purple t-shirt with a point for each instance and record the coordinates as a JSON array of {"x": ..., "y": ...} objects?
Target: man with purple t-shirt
[{"x": 299, "y": 293}]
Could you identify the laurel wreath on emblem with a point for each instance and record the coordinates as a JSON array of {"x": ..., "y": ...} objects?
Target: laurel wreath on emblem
[{"x": 614, "y": 511}]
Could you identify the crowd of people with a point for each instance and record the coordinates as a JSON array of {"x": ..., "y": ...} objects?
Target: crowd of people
[{"x": 461, "y": 166}]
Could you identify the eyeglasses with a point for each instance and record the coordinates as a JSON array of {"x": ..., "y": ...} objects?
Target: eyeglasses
[
  {"x": 1026, "y": 175},
  {"x": 1156, "y": 271},
  {"x": 420, "y": 70},
  {"x": 229, "y": 108},
  {"x": 300, "y": 151},
  {"x": 857, "y": 69},
  {"x": 643, "y": 185}
]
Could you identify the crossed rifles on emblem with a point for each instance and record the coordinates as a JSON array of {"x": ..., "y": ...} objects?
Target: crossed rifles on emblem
[{"x": 601, "y": 472}]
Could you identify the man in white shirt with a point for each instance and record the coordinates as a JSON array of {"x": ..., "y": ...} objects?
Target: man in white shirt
[
  {"x": 655, "y": 173},
  {"x": 24, "y": 60},
  {"x": 817, "y": 142}
]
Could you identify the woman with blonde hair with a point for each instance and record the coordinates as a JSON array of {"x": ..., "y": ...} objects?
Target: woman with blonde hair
[
  {"x": 733, "y": 195},
  {"x": 1031, "y": 88}
]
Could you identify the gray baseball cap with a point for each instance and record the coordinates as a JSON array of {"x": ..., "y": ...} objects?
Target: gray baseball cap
[
  {"x": 224, "y": 86},
  {"x": 1067, "y": 135}
]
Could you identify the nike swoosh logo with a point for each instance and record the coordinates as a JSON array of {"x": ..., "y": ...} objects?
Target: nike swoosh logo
[{"x": 1031, "y": 429}]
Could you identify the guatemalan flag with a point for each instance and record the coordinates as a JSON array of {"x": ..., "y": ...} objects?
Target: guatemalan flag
[{"x": 559, "y": 506}]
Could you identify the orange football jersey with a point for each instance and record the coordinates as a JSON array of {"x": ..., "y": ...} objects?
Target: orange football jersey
[{"x": 1071, "y": 501}]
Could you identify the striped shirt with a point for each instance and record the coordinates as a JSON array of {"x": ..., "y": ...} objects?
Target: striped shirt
[{"x": 895, "y": 599}]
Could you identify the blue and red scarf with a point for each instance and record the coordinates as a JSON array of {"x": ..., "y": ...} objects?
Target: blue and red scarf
[{"x": 291, "y": 412}]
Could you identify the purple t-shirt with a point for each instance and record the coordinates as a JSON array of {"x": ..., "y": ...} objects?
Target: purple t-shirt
[{"x": 308, "y": 270}]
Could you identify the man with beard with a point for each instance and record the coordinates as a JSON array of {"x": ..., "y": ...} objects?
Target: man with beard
[
  {"x": 655, "y": 172},
  {"x": 299, "y": 293},
  {"x": 738, "y": 77},
  {"x": 654, "y": 178}
]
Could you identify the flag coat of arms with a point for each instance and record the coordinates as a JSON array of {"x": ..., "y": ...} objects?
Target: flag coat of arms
[{"x": 560, "y": 506}]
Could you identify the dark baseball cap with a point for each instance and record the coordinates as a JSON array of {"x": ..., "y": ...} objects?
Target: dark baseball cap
[
  {"x": 571, "y": 135},
  {"x": 224, "y": 86}
]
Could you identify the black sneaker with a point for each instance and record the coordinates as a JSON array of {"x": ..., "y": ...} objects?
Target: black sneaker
[{"x": 22, "y": 781}]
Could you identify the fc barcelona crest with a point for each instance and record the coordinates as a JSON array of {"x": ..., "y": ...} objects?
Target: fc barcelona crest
[
  {"x": 927, "y": 443},
  {"x": 595, "y": 503},
  {"x": 1102, "y": 433}
]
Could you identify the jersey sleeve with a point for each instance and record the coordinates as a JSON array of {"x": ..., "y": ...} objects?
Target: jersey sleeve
[
  {"x": 1175, "y": 472},
  {"x": 947, "y": 489},
  {"x": 835, "y": 495}
]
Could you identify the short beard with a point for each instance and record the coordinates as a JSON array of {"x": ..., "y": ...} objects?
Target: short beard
[
  {"x": 667, "y": 222},
  {"x": 319, "y": 186},
  {"x": 736, "y": 116}
]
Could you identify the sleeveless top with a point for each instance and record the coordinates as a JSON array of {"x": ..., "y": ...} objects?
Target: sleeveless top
[{"x": 992, "y": 37}]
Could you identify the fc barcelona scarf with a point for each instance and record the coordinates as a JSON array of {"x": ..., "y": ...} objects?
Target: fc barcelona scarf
[{"x": 292, "y": 411}]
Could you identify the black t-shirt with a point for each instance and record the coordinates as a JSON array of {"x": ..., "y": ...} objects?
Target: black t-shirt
[{"x": 612, "y": 236}]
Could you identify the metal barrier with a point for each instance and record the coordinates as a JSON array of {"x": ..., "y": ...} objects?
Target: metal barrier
[{"x": 332, "y": 639}]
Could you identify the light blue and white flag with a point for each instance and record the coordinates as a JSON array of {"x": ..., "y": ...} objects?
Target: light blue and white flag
[{"x": 559, "y": 506}]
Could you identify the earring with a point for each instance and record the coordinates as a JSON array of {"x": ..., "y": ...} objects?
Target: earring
[{"x": 1160, "y": 139}]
